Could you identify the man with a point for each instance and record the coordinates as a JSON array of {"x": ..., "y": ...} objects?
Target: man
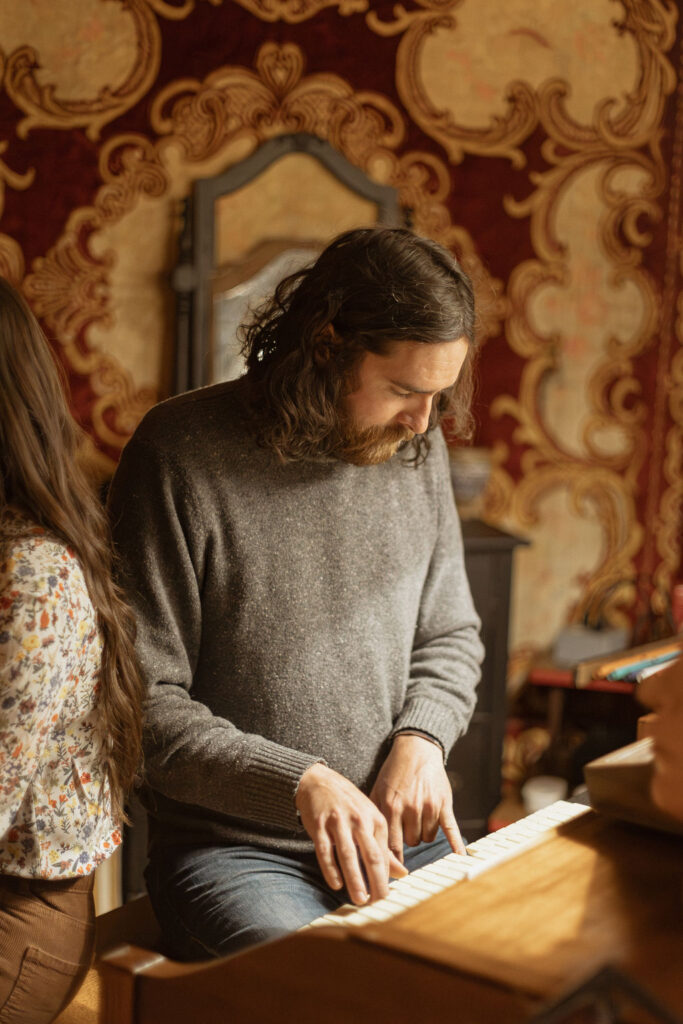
[{"x": 291, "y": 548}]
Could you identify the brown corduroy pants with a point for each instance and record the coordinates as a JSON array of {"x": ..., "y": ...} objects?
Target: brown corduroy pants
[{"x": 47, "y": 935}]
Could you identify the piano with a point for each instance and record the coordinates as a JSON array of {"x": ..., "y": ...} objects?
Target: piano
[{"x": 506, "y": 934}]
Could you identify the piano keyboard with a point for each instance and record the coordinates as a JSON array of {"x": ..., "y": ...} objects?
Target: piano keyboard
[{"x": 484, "y": 853}]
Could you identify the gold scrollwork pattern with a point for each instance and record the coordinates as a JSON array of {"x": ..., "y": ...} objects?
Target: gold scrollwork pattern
[
  {"x": 43, "y": 107},
  {"x": 68, "y": 289},
  {"x": 175, "y": 12},
  {"x": 404, "y": 19},
  {"x": 664, "y": 550},
  {"x": 41, "y": 103},
  {"x": 11, "y": 256},
  {"x": 502, "y": 137},
  {"x": 235, "y": 102},
  {"x": 652, "y": 23},
  {"x": 294, "y": 11},
  {"x": 11, "y": 260},
  {"x": 608, "y": 480}
]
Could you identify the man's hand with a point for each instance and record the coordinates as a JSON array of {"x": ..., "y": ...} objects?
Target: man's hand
[
  {"x": 413, "y": 793},
  {"x": 349, "y": 834}
]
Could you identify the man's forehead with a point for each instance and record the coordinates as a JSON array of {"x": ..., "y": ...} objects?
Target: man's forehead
[
  {"x": 408, "y": 361},
  {"x": 403, "y": 346}
]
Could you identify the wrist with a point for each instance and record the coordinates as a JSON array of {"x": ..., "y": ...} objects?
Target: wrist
[
  {"x": 313, "y": 776},
  {"x": 418, "y": 734}
]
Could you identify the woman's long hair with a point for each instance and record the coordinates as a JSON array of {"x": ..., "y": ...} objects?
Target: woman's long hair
[
  {"x": 370, "y": 287},
  {"x": 42, "y": 477}
]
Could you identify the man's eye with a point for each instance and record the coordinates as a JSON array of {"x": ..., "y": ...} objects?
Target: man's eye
[{"x": 402, "y": 394}]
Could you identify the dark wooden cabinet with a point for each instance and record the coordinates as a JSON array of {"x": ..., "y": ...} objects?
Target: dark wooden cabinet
[{"x": 474, "y": 766}]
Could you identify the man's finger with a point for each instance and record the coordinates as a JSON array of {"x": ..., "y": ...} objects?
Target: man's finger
[
  {"x": 347, "y": 857},
  {"x": 375, "y": 864},
  {"x": 396, "y": 837},
  {"x": 324, "y": 851},
  {"x": 451, "y": 830},
  {"x": 430, "y": 826},
  {"x": 397, "y": 868},
  {"x": 430, "y": 821},
  {"x": 412, "y": 825}
]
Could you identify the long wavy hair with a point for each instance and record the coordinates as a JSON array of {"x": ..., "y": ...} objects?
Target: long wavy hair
[
  {"x": 369, "y": 288},
  {"x": 43, "y": 478}
]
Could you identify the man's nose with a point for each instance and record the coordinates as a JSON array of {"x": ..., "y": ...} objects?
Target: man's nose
[{"x": 417, "y": 417}]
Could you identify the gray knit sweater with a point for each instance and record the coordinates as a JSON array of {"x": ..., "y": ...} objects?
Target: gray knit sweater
[{"x": 286, "y": 614}]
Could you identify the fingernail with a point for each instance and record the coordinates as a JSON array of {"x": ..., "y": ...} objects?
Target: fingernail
[{"x": 363, "y": 896}]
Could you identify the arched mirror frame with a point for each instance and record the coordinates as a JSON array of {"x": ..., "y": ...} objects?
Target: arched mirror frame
[{"x": 192, "y": 276}]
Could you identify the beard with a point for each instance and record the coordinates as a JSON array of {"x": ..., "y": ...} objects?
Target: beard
[{"x": 371, "y": 445}]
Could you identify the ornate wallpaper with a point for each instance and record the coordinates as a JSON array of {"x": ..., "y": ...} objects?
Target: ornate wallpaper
[{"x": 542, "y": 142}]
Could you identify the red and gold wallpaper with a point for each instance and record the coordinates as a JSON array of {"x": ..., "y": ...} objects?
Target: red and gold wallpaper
[{"x": 542, "y": 142}]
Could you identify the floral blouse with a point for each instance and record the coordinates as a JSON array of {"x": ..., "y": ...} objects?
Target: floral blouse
[{"x": 55, "y": 818}]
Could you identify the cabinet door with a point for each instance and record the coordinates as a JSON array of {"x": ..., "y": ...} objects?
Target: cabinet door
[
  {"x": 474, "y": 766},
  {"x": 489, "y": 576},
  {"x": 469, "y": 771}
]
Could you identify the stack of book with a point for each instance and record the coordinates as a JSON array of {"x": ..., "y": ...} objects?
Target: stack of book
[{"x": 630, "y": 665}]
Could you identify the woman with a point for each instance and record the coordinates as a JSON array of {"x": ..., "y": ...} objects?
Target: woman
[{"x": 70, "y": 694}]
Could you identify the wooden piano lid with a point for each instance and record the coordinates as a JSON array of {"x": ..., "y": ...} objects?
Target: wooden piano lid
[{"x": 596, "y": 892}]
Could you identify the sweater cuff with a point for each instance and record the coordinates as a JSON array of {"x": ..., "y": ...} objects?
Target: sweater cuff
[
  {"x": 270, "y": 781},
  {"x": 430, "y": 718}
]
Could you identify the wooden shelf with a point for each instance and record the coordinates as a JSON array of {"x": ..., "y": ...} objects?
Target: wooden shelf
[{"x": 545, "y": 673}]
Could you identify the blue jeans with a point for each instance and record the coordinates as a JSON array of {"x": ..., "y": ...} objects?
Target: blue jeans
[{"x": 214, "y": 900}]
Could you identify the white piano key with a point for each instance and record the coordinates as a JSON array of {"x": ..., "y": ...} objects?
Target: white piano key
[
  {"x": 479, "y": 854},
  {"x": 378, "y": 911},
  {"x": 493, "y": 843},
  {"x": 362, "y": 915},
  {"x": 530, "y": 828},
  {"x": 567, "y": 812},
  {"x": 422, "y": 883},
  {"x": 448, "y": 873},
  {"x": 402, "y": 897},
  {"x": 457, "y": 858},
  {"x": 442, "y": 875}
]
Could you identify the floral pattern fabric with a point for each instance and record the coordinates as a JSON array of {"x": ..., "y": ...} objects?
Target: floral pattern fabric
[{"x": 55, "y": 816}]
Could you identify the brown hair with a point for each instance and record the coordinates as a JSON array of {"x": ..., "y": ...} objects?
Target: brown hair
[
  {"x": 370, "y": 287},
  {"x": 41, "y": 477}
]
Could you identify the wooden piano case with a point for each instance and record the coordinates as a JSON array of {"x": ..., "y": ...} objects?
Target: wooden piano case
[{"x": 498, "y": 949}]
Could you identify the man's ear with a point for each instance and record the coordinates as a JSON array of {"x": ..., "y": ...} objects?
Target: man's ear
[{"x": 327, "y": 345}]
